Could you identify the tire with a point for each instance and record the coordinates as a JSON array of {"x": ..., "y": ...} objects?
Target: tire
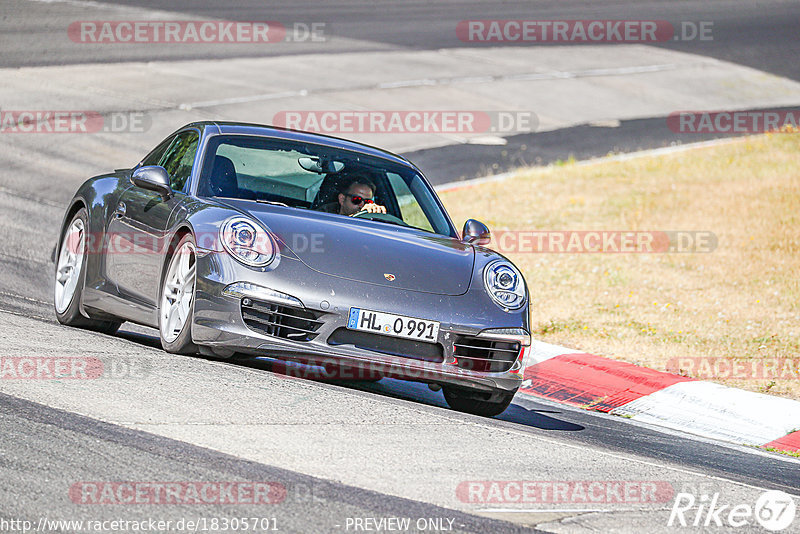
[
  {"x": 70, "y": 273},
  {"x": 176, "y": 298},
  {"x": 463, "y": 400}
]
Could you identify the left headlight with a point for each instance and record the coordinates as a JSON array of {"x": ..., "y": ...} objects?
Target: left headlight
[
  {"x": 505, "y": 285},
  {"x": 247, "y": 242}
]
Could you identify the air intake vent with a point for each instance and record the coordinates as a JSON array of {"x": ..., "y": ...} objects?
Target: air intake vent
[
  {"x": 485, "y": 355},
  {"x": 297, "y": 324},
  {"x": 395, "y": 346}
]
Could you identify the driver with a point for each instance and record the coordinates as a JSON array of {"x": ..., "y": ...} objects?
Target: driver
[{"x": 356, "y": 195}]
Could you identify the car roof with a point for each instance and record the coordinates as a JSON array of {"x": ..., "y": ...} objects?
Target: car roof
[{"x": 243, "y": 128}]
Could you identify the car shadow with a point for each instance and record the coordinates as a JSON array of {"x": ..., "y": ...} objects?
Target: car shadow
[
  {"x": 414, "y": 391},
  {"x": 517, "y": 413},
  {"x": 536, "y": 418},
  {"x": 148, "y": 340}
]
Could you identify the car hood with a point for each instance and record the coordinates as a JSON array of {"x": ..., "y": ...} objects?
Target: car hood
[{"x": 367, "y": 251}]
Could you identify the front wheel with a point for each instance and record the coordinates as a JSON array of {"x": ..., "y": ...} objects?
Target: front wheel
[
  {"x": 69, "y": 278},
  {"x": 463, "y": 400},
  {"x": 176, "y": 306}
]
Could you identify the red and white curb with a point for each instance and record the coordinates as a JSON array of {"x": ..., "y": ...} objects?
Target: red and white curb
[{"x": 673, "y": 401}]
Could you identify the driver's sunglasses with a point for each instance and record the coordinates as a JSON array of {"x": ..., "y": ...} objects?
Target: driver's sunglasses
[{"x": 356, "y": 199}]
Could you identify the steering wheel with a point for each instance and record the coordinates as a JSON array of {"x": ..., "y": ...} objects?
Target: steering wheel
[{"x": 383, "y": 217}]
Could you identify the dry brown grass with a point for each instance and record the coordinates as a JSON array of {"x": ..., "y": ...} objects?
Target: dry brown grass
[{"x": 740, "y": 302}]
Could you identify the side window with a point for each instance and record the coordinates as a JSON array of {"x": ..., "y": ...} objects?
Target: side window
[
  {"x": 179, "y": 157},
  {"x": 155, "y": 156}
]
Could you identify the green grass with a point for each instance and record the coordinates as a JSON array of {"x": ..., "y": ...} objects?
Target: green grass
[{"x": 741, "y": 301}]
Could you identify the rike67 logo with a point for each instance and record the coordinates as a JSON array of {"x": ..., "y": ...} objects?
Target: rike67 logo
[{"x": 773, "y": 510}]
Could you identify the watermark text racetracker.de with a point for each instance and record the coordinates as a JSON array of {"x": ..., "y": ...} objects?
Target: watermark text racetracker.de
[
  {"x": 407, "y": 121},
  {"x": 72, "y": 122},
  {"x": 177, "y": 492},
  {"x": 720, "y": 368},
  {"x": 73, "y": 368},
  {"x": 564, "y": 491},
  {"x": 735, "y": 122},
  {"x": 193, "y": 32},
  {"x": 582, "y": 31},
  {"x": 602, "y": 241},
  {"x": 140, "y": 242},
  {"x": 324, "y": 369}
]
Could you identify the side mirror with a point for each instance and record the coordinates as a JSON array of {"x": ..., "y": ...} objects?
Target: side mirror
[
  {"x": 476, "y": 233},
  {"x": 153, "y": 178}
]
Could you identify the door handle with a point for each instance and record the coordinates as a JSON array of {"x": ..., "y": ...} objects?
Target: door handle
[{"x": 120, "y": 211}]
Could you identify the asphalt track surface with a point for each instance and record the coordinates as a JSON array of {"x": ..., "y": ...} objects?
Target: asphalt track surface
[
  {"x": 46, "y": 449},
  {"x": 763, "y": 36},
  {"x": 42, "y": 443},
  {"x": 466, "y": 161}
]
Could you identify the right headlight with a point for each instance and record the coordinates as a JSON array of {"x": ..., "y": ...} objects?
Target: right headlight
[
  {"x": 247, "y": 242},
  {"x": 505, "y": 285}
]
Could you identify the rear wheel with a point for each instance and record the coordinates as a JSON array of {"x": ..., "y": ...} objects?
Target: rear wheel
[
  {"x": 463, "y": 400},
  {"x": 176, "y": 306},
  {"x": 69, "y": 278}
]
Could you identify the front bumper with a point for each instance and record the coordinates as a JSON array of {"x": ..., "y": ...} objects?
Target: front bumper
[{"x": 219, "y": 325}]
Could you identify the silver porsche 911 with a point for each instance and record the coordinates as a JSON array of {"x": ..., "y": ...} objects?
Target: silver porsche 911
[{"x": 248, "y": 240}]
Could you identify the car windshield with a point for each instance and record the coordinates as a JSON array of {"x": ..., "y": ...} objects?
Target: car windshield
[{"x": 320, "y": 178}]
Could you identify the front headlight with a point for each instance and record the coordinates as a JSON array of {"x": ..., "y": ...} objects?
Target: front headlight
[
  {"x": 247, "y": 242},
  {"x": 505, "y": 285}
]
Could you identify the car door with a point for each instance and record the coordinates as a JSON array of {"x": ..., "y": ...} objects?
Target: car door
[{"x": 139, "y": 229}]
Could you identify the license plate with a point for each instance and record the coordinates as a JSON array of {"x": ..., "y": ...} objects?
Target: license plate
[{"x": 389, "y": 324}]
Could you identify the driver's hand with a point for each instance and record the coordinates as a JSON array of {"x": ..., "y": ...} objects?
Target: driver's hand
[{"x": 373, "y": 208}]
